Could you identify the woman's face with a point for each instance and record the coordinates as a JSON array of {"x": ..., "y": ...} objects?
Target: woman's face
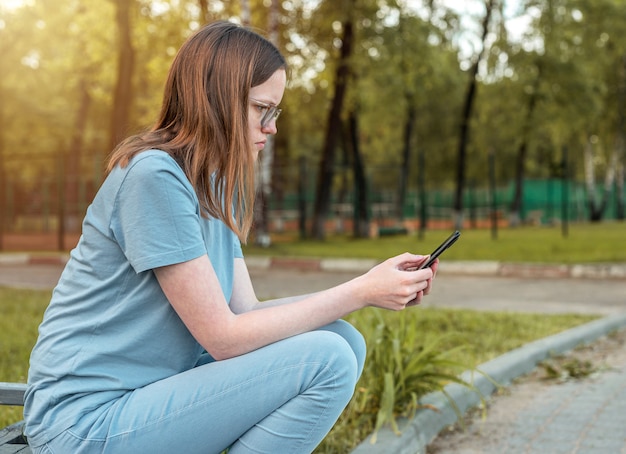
[{"x": 264, "y": 100}]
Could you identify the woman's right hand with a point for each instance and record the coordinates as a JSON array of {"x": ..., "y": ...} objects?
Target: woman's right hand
[{"x": 389, "y": 285}]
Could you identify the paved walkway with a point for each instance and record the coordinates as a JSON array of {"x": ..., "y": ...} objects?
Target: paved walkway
[
  {"x": 480, "y": 292},
  {"x": 539, "y": 415},
  {"x": 587, "y": 416}
]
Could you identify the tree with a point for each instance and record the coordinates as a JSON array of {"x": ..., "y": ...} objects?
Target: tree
[
  {"x": 3, "y": 178},
  {"x": 123, "y": 94},
  {"x": 599, "y": 53},
  {"x": 73, "y": 156},
  {"x": 333, "y": 133},
  {"x": 51, "y": 89},
  {"x": 266, "y": 159},
  {"x": 408, "y": 136},
  {"x": 522, "y": 151},
  {"x": 597, "y": 205},
  {"x": 466, "y": 113},
  {"x": 620, "y": 141},
  {"x": 360, "y": 214}
]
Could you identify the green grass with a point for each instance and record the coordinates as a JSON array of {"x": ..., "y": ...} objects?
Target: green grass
[
  {"x": 21, "y": 312},
  {"x": 409, "y": 353},
  {"x": 585, "y": 243}
]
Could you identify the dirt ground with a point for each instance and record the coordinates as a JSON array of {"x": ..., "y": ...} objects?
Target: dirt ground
[{"x": 502, "y": 408}]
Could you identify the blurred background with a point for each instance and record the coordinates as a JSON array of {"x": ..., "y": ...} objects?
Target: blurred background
[{"x": 399, "y": 116}]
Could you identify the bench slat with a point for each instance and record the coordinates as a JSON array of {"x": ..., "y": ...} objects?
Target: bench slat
[
  {"x": 12, "y": 393},
  {"x": 15, "y": 449},
  {"x": 12, "y": 441}
]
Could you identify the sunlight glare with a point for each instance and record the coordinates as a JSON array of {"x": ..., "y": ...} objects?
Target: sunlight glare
[{"x": 14, "y": 4}]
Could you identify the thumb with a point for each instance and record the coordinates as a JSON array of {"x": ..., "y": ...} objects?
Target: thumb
[{"x": 408, "y": 261}]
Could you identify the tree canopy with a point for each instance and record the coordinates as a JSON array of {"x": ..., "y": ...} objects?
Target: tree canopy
[{"x": 78, "y": 75}]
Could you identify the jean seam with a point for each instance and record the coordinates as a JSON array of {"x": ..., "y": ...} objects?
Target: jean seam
[
  {"x": 204, "y": 401},
  {"x": 325, "y": 411}
]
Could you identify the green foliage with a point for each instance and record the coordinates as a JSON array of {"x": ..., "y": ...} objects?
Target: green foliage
[
  {"x": 568, "y": 63},
  {"x": 409, "y": 366},
  {"x": 567, "y": 60},
  {"x": 405, "y": 55}
]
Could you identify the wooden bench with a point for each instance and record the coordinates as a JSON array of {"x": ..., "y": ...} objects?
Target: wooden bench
[{"x": 12, "y": 438}]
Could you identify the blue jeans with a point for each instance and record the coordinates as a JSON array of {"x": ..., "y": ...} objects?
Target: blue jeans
[{"x": 283, "y": 398}]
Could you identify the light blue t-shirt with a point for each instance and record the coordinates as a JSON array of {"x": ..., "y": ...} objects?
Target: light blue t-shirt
[{"x": 109, "y": 327}]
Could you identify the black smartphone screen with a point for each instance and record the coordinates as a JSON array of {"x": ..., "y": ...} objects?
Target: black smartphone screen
[{"x": 442, "y": 247}]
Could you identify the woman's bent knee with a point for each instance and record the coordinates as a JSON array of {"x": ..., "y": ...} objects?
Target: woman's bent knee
[
  {"x": 340, "y": 363},
  {"x": 354, "y": 339}
]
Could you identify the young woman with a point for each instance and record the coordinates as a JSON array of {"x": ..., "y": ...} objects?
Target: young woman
[{"x": 154, "y": 340}]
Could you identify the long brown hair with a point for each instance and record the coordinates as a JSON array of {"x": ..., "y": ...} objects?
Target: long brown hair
[{"x": 203, "y": 122}]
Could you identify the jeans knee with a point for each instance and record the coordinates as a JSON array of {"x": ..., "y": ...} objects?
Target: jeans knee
[
  {"x": 359, "y": 347},
  {"x": 355, "y": 340},
  {"x": 341, "y": 362}
]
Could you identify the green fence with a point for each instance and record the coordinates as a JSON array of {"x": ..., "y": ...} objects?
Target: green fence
[
  {"x": 544, "y": 202},
  {"x": 38, "y": 206}
]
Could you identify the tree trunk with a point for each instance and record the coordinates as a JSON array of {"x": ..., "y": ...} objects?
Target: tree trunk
[
  {"x": 333, "y": 132},
  {"x": 3, "y": 180},
  {"x": 204, "y": 11},
  {"x": 409, "y": 122},
  {"x": 620, "y": 145},
  {"x": 360, "y": 214},
  {"x": 122, "y": 97},
  {"x": 520, "y": 162},
  {"x": 406, "y": 155},
  {"x": 263, "y": 186},
  {"x": 619, "y": 188},
  {"x": 597, "y": 206},
  {"x": 72, "y": 165},
  {"x": 464, "y": 127}
]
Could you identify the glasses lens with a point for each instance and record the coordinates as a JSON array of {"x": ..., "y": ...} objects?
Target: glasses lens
[{"x": 270, "y": 114}]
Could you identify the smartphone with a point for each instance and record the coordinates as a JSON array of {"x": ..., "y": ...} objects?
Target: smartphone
[{"x": 442, "y": 247}]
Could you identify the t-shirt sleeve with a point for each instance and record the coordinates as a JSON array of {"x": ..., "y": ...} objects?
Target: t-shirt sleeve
[{"x": 156, "y": 218}]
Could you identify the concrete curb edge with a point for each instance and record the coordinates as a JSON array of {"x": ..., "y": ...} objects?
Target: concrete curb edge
[{"x": 470, "y": 268}]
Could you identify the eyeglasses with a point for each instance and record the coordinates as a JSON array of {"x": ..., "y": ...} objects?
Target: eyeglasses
[{"x": 268, "y": 112}]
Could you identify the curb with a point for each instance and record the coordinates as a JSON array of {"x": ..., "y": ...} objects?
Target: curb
[
  {"x": 418, "y": 432},
  {"x": 469, "y": 268},
  {"x": 310, "y": 264},
  {"x": 30, "y": 259}
]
